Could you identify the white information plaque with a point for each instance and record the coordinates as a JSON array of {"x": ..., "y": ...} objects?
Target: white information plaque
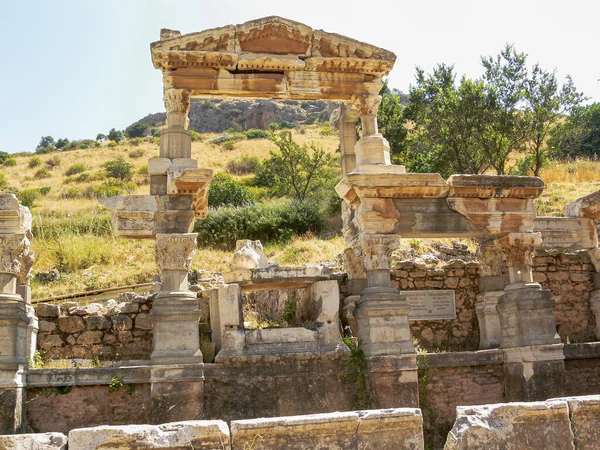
[{"x": 430, "y": 305}]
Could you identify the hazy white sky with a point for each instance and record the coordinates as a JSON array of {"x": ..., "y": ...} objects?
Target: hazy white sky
[{"x": 75, "y": 68}]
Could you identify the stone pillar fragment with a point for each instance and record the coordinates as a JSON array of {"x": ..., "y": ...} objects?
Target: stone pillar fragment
[
  {"x": 382, "y": 311},
  {"x": 372, "y": 149},
  {"x": 175, "y": 311},
  {"x": 491, "y": 287}
]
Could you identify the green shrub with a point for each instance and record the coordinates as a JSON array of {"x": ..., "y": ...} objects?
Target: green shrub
[
  {"x": 243, "y": 166},
  {"x": 224, "y": 191},
  {"x": 135, "y": 141},
  {"x": 111, "y": 188},
  {"x": 45, "y": 190},
  {"x": 4, "y": 156},
  {"x": 41, "y": 174},
  {"x": 10, "y": 162},
  {"x": 326, "y": 130},
  {"x": 27, "y": 197},
  {"x": 136, "y": 130},
  {"x": 118, "y": 168},
  {"x": 75, "y": 169},
  {"x": 112, "y": 144},
  {"x": 229, "y": 136},
  {"x": 229, "y": 145},
  {"x": 34, "y": 162},
  {"x": 257, "y": 134},
  {"x": 53, "y": 162},
  {"x": 143, "y": 170},
  {"x": 284, "y": 124},
  {"x": 137, "y": 153},
  {"x": 196, "y": 137},
  {"x": 267, "y": 222},
  {"x": 155, "y": 132},
  {"x": 3, "y": 182}
]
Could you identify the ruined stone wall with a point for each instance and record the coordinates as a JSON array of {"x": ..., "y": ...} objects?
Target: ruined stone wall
[
  {"x": 569, "y": 276},
  {"x": 104, "y": 332},
  {"x": 582, "y": 364},
  {"x": 450, "y": 335}
]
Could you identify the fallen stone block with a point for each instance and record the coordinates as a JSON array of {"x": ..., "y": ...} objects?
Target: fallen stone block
[
  {"x": 41, "y": 441},
  {"x": 532, "y": 426},
  {"x": 378, "y": 429},
  {"x": 585, "y": 420},
  {"x": 199, "y": 435}
]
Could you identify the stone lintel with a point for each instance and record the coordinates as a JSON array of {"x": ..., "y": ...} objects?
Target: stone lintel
[
  {"x": 588, "y": 206},
  {"x": 568, "y": 233},
  {"x": 494, "y": 186},
  {"x": 534, "y": 353},
  {"x": 276, "y": 277}
]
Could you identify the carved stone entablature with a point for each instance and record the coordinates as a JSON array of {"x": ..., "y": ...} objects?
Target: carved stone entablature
[
  {"x": 353, "y": 263},
  {"x": 177, "y": 101},
  {"x": 377, "y": 250},
  {"x": 15, "y": 254},
  {"x": 518, "y": 248},
  {"x": 175, "y": 251}
]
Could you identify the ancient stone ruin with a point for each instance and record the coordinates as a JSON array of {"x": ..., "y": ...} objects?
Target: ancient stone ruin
[{"x": 185, "y": 362}]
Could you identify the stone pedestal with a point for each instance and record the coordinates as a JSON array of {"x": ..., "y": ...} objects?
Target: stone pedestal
[
  {"x": 382, "y": 311},
  {"x": 527, "y": 318},
  {"x": 534, "y": 372},
  {"x": 175, "y": 310},
  {"x": 393, "y": 381},
  {"x": 488, "y": 319}
]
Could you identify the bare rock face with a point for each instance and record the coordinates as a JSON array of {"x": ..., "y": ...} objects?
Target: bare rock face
[
  {"x": 535, "y": 425},
  {"x": 41, "y": 441},
  {"x": 199, "y": 435}
]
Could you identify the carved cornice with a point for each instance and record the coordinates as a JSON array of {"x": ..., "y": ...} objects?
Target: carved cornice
[{"x": 175, "y": 251}]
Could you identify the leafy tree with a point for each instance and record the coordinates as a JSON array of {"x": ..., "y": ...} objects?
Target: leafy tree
[
  {"x": 4, "y": 156},
  {"x": 61, "y": 143},
  {"x": 506, "y": 127},
  {"x": 547, "y": 103},
  {"x": 448, "y": 122},
  {"x": 136, "y": 129},
  {"x": 295, "y": 170},
  {"x": 225, "y": 191},
  {"x": 46, "y": 145},
  {"x": 116, "y": 135},
  {"x": 118, "y": 168},
  {"x": 391, "y": 122},
  {"x": 100, "y": 137},
  {"x": 579, "y": 135}
]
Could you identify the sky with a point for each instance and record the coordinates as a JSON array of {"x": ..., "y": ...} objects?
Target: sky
[{"x": 76, "y": 68}]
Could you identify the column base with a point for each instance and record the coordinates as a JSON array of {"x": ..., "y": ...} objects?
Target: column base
[
  {"x": 175, "y": 328},
  {"x": 527, "y": 318},
  {"x": 393, "y": 382},
  {"x": 534, "y": 373},
  {"x": 382, "y": 322}
]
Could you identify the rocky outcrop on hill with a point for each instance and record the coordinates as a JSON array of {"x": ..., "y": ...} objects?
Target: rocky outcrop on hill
[{"x": 216, "y": 115}]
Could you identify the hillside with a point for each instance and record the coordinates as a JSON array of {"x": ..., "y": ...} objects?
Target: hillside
[{"x": 72, "y": 231}]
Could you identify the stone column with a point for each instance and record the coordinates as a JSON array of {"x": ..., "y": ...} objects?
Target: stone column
[
  {"x": 177, "y": 380},
  {"x": 356, "y": 284},
  {"x": 348, "y": 138},
  {"x": 534, "y": 366},
  {"x": 175, "y": 311},
  {"x": 372, "y": 149},
  {"x": 382, "y": 311},
  {"x": 491, "y": 287},
  {"x": 14, "y": 323}
]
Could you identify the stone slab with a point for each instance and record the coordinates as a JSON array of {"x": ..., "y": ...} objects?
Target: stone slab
[
  {"x": 494, "y": 186},
  {"x": 285, "y": 277},
  {"x": 569, "y": 233},
  {"x": 378, "y": 429},
  {"x": 199, "y": 435},
  {"x": 536, "y": 425},
  {"x": 37, "y": 441},
  {"x": 431, "y": 305},
  {"x": 588, "y": 206},
  {"x": 585, "y": 420}
]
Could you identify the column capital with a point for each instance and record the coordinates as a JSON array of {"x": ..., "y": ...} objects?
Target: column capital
[
  {"x": 175, "y": 251},
  {"x": 518, "y": 247},
  {"x": 376, "y": 250},
  {"x": 177, "y": 104},
  {"x": 365, "y": 105}
]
